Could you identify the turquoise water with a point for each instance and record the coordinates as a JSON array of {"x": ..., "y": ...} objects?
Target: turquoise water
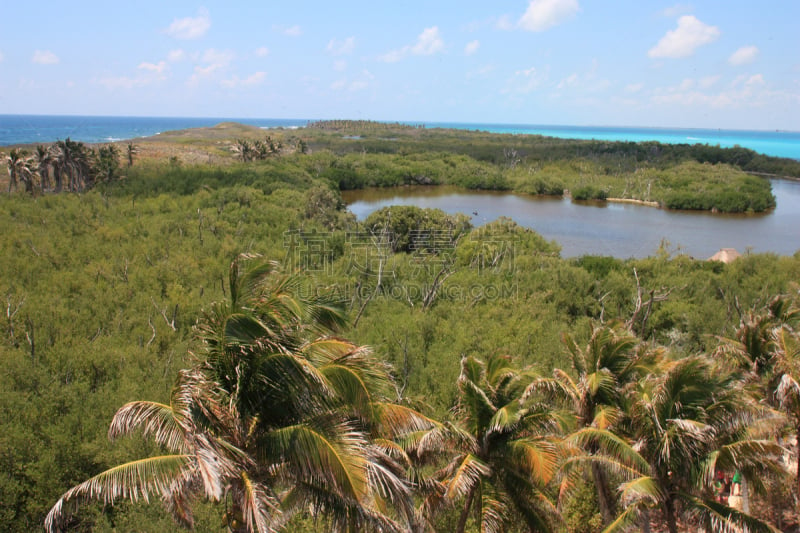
[{"x": 31, "y": 129}]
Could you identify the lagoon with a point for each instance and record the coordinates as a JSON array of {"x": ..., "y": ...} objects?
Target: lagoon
[{"x": 613, "y": 229}]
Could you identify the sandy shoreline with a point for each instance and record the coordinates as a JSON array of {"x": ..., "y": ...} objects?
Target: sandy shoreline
[{"x": 632, "y": 201}]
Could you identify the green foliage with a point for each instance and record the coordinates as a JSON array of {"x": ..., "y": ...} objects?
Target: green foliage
[
  {"x": 102, "y": 290},
  {"x": 589, "y": 192},
  {"x": 413, "y": 229}
]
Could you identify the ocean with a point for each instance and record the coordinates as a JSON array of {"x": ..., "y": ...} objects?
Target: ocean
[{"x": 34, "y": 129}]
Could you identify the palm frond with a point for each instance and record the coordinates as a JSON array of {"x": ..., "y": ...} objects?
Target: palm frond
[
  {"x": 323, "y": 454},
  {"x": 468, "y": 474},
  {"x": 136, "y": 480},
  {"x": 155, "y": 419},
  {"x": 726, "y": 519}
]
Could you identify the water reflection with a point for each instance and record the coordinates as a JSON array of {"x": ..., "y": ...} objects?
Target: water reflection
[{"x": 619, "y": 230}]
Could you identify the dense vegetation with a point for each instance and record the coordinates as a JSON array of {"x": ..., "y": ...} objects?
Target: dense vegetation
[{"x": 110, "y": 294}]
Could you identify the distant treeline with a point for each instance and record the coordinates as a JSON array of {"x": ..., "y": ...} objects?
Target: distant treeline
[
  {"x": 498, "y": 148},
  {"x": 361, "y": 125}
]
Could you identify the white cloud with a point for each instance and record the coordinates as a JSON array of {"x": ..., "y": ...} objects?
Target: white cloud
[
  {"x": 471, "y": 47},
  {"x": 340, "y": 65},
  {"x": 156, "y": 68},
  {"x": 634, "y": 87},
  {"x": 504, "y": 23},
  {"x": 256, "y": 78},
  {"x": 44, "y": 57},
  {"x": 344, "y": 47},
  {"x": 685, "y": 39},
  {"x": 428, "y": 42},
  {"x": 176, "y": 55},
  {"x": 262, "y": 51},
  {"x": 361, "y": 82},
  {"x": 743, "y": 56},
  {"x": 213, "y": 60},
  {"x": 482, "y": 72},
  {"x": 544, "y": 14},
  {"x": 677, "y": 9},
  {"x": 569, "y": 81},
  {"x": 293, "y": 31},
  {"x": 525, "y": 81},
  {"x": 190, "y": 27},
  {"x": 707, "y": 82},
  {"x": 222, "y": 58},
  {"x": 744, "y": 91}
]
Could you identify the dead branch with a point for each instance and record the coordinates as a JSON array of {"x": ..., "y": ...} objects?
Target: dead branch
[{"x": 163, "y": 313}]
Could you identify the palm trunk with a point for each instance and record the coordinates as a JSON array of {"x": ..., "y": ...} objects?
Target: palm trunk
[
  {"x": 669, "y": 514},
  {"x": 604, "y": 499},
  {"x": 462, "y": 520},
  {"x": 645, "y": 518},
  {"x": 797, "y": 444}
]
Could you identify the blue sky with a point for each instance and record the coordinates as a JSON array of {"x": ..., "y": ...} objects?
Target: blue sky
[{"x": 730, "y": 64}]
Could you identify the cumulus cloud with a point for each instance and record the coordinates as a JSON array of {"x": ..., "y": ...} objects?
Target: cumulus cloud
[
  {"x": 525, "y": 81},
  {"x": 428, "y": 43},
  {"x": 685, "y": 39},
  {"x": 677, "y": 9},
  {"x": 262, "y": 51},
  {"x": 743, "y": 56},
  {"x": 256, "y": 78},
  {"x": 544, "y": 14},
  {"x": 44, "y": 57},
  {"x": 471, "y": 47},
  {"x": 634, "y": 87},
  {"x": 340, "y": 65},
  {"x": 744, "y": 91},
  {"x": 156, "y": 68},
  {"x": 344, "y": 47},
  {"x": 176, "y": 55},
  {"x": 212, "y": 61},
  {"x": 293, "y": 31},
  {"x": 190, "y": 27},
  {"x": 359, "y": 83}
]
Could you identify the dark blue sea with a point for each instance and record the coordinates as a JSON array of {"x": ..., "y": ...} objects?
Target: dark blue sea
[{"x": 33, "y": 129}]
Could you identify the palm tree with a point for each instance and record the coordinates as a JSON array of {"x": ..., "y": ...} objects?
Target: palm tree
[
  {"x": 196, "y": 463},
  {"x": 43, "y": 162},
  {"x": 293, "y": 420},
  {"x": 71, "y": 161},
  {"x": 130, "y": 151},
  {"x": 685, "y": 423},
  {"x": 313, "y": 404},
  {"x": 611, "y": 361},
  {"x": 787, "y": 366},
  {"x": 503, "y": 450},
  {"x": 20, "y": 168}
]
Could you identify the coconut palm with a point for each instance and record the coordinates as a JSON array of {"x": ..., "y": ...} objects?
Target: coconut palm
[
  {"x": 196, "y": 463},
  {"x": 503, "y": 451},
  {"x": 43, "y": 162},
  {"x": 291, "y": 419},
  {"x": 686, "y": 422},
  {"x": 610, "y": 362},
  {"x": 71, "y": 162},
  {"x": 130, "y": 151},
  {"x": 787, "y": 366},
  {"x": 313, "y": 404},
  {"x": 20, "y": 168}
]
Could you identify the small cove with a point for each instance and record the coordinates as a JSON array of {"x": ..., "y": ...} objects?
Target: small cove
[{"x": 617, "y": 229}]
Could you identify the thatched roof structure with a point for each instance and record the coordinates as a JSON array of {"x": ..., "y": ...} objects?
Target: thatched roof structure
[{"x": 726, "y": 255}]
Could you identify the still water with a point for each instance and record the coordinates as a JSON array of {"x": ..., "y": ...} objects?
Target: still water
[{"x": 619, "y": 230}]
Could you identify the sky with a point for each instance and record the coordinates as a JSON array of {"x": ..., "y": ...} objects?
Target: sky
[{"x": 731, "y": 64}]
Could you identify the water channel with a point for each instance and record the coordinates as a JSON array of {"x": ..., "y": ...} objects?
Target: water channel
[{"x": 615, "y": 229}]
